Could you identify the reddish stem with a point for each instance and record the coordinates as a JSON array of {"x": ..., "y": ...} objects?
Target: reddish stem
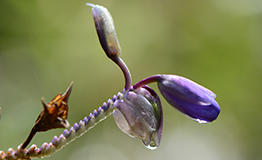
[
  {"x": 125, "y": 70},
  {"x": 146, "y": 81}
]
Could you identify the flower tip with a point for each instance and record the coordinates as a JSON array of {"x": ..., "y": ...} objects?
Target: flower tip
[
  {"x": 91, "y": 5},
  {"x": 68, "y": 92},
  {"x": 43, "y": 103}
]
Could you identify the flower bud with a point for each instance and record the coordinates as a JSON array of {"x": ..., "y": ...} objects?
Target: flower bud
[
  {"x": 139, "y": 114},
  {"x": 106, "y": 30},
  {"x": 188, "y": 97}
]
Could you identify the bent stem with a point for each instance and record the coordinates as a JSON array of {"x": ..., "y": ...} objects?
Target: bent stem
[
  {"x": 125, "y": 70},
  {"x": 77, "y": 130},
  {"x": 146, "y": 81}
]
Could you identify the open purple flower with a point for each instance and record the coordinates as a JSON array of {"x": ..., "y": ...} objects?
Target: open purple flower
[{"x": 139, "y": 114}]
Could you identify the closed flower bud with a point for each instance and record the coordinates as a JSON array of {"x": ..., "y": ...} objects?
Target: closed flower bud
[
  {"x": 188, "y": 97},
  {"x": 106, "y": 30},
  {"x": 139, "y": 114}
]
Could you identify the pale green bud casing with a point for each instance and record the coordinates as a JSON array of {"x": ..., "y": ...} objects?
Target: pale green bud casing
[{"x": 106, "y": 30}]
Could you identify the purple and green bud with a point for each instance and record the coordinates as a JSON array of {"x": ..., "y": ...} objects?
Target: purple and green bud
[
  {"x": 107, "y": 36},
  {"x": 106, "y": 30}
]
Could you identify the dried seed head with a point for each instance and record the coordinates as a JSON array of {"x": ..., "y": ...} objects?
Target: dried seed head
[{"x": 54, "y": 115}]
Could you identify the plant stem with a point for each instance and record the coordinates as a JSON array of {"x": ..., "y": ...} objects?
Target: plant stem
[
  {"x": 146, "y": 81},
  {"x": 125, "y": 70},
  {"x": 29, "y": 138},
  {"x": 77, "y": 130}
]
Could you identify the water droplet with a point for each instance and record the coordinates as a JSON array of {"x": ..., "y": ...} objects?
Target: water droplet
[
  {"x": 151, "y": 147},
  {"x": 200, "y": 121}
]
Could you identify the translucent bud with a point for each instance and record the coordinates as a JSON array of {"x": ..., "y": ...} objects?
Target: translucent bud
[{"x": 139, "y": 114}]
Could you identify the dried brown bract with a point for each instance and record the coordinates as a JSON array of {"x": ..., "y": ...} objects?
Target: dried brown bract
[{"x": 54, "y": 115}]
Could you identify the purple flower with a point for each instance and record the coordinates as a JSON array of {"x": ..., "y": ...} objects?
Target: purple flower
[
  {"x": 188, "y": 97},
  {"x": 138, "y": 111},
  {"x": 139, "y": 114}
]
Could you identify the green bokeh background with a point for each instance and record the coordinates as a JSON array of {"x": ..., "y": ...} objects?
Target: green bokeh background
[{"x": 46, "y": 44}]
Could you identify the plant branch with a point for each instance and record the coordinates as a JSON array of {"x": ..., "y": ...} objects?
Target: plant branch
[{"x": 76, "y": 131}]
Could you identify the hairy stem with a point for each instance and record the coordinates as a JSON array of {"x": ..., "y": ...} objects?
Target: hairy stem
[{"x": 77, "y": 130}]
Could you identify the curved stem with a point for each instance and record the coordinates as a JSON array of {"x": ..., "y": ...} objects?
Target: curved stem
[
  {"x": 146, "y": 81},
  {"x": 125, "y": 70}
]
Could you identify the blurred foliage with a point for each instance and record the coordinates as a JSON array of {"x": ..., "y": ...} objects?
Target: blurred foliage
[{"x": 46, "y": 44}]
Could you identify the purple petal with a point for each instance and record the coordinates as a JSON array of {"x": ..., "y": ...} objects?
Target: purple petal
[{"x": 189, "y": 97}]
